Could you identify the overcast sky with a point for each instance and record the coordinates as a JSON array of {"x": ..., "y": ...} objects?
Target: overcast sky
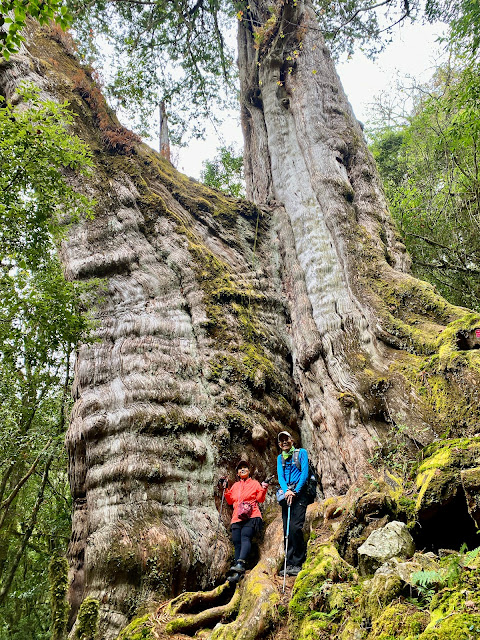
[{"x": 413, "y": 52}]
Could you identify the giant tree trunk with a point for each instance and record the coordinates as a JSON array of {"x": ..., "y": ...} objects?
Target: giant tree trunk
[
  {"x": 221, "y": 324},
  {"x": 357, "y": 313}
]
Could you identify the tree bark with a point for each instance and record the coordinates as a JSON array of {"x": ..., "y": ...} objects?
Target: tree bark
[{"x": 221, "y": 324}]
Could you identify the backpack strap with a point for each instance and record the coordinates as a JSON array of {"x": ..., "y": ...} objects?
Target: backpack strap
[{"x": 296, "y": 460}]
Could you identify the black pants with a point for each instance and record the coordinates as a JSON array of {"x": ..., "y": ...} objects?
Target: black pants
[
  {"x": 242, "y": 534},
  {"x": 296, "y": 544}
]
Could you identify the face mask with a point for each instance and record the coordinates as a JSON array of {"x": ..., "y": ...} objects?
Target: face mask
[{"x": 287, "y": 454}]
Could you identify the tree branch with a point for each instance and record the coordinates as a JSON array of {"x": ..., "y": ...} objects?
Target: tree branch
[
  {"x": 133, "y": 2},
  {"x": 361, "y": 10},
  {"x": 432, "y": 243},
  {"x": 6, "y": 504},
  {"x": 14, "y": 566},
  {"x": 446, "y": 265}
]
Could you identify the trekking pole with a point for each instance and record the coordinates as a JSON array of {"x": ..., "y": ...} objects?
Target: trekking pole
[
  {"x": 286, "y": 548},
  {"x": 219, "y": 522}
]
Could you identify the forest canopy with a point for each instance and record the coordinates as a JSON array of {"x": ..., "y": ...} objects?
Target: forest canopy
[{"x": 182, "y": 52}]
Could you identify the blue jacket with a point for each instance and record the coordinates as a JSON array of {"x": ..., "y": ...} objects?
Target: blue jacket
[{"x": 292, "y": 475}]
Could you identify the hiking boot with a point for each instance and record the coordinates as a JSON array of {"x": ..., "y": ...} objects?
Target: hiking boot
[
  {"x": 293, "y": 571},
  {"x": 287, "y": 571},
  {"x": 239, "y": 567},
  {"x": 234, "y": 578}
]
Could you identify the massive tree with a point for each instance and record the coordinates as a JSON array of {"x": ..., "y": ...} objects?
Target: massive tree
[{"x": 222, "y": 322}]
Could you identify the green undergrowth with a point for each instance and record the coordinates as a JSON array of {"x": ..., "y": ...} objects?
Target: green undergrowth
[{"x": 331, "y": 601}]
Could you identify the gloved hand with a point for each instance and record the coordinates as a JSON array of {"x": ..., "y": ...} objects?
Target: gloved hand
[
  {"x": 223, "y": 482},
  {"x": 266, "y": 482}
]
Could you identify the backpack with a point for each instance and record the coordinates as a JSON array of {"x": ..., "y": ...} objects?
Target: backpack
[{"x": 311, "y": 481}]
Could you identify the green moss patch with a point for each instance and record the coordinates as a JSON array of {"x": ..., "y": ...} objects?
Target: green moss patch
[
  {"x": 399, "y": 621},
  {"x": 323, "y": 563},
  {"x": 139, "y": 629}
]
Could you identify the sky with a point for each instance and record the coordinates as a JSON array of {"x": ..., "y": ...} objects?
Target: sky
[{"x": 413, "y": 52}]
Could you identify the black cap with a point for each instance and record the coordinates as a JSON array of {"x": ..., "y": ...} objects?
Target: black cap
[{"x": 242, "y": 463}]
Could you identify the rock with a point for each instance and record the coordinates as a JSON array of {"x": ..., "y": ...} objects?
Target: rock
[
  {"x": 405, "y": 569},
  {"x": 447, "y": 507},
  {"x": 391, "y": 541},
  {"x": 259, "y": 436},
  {"x": 374, "y": 504},
  {"x": 471, "y": 486}
]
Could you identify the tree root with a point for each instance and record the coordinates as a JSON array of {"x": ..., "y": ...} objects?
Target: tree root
[
  {"x": 247, "y": 614},
  {"x": 190, "y": 623},
  {"x": 257, "y": 612},
  {"x": 193, "y": 601}
]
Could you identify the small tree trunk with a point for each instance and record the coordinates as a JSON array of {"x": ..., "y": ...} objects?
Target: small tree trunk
[{"x": 164, "y": 137}]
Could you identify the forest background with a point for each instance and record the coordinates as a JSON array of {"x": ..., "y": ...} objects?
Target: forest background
[{"x": 428, "y": 156}]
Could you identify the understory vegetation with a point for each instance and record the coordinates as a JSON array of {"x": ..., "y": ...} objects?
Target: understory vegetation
[
  {"x": 41, "y": 321},
  {"x": 429, "y": 161}
]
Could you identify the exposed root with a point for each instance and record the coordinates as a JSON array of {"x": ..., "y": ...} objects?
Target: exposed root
[
  {"x": 246, "y": 613},
  {"x": 194, "y": 601},
  {"x": 258, "y": 607},
  {"x": 189, "y": 624}
]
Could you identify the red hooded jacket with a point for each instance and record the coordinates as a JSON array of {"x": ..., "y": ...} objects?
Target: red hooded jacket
[{"x": 248, "y": 490}]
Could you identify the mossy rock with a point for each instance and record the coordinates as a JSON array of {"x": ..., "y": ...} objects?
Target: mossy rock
[
  {"x": 353, "y": 630},
  {"x": 439, "y": 475},
  {"x": 317, "y": 626},
  {"x": 323, "y": 564},
  {"x": 399, "y": 621},
  {"x": 378, "y": 593},
  {"x": 458, "y": 626}
]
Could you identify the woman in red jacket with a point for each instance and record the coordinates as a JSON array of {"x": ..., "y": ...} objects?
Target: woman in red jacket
[{"x": 244, "y": 525}]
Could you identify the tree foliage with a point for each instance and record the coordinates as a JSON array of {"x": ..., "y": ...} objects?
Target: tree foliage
[
  {"x": 431, "y": 172},
  {"x": 225, "y": 172},
  {"x": 182, "y": 51},
  {"x": 40, "y": 324},
  {"x": 13, "y": 17}
]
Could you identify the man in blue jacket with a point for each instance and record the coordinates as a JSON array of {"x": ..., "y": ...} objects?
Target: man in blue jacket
[{"x": 292, "y": 470}]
